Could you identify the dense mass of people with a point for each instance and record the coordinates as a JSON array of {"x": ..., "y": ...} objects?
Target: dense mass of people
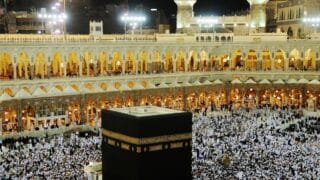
[
  {"x": 57, "y": 157},
  {"x": 254, "y": 144},
  {"x": 260, "y": 143}
]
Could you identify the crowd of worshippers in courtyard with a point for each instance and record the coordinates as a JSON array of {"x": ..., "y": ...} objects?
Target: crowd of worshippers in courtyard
[
  {"x": 57, "y": 157},
  {"x": 262, "y": 143},
  {"x": 266, "y": 143}
]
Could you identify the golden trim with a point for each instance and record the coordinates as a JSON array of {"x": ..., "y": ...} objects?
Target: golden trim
[
  {"x": 138, "y": 149},
  {"x": 155, "y": 147},
  {"x": 111, "y": 142},
  {"x": 176, "y": 145},
  {"x": 146, "y": 141},
  {"x": 125, "y": 146},
  {"x": 150, "y": 148}
]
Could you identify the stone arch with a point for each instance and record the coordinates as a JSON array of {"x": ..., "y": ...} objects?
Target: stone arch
[
  {"x": 144, "y": 100},
  {"x": 87, "y": 64},
  {"x": 309, "y": 62},
  {"x": 23, "y": 66},
  {"x": 180, "y": 63},
  {"x": 116, "y": 63},
  {"x": 156, "y": 62},
  {"x": 143, "y": 62},
  {"x": 41, "y": 65},
  {"x": 266, "y": 60},
  {"x": 202, "y": 99},
  {"x": 294, "y": 60},
  {"x": 178, "y": 102},
  {"x": 193, "y": 61},
  {"x": 74, "y": 112},
  {"x": 29, "y": 121},
  {"x": 204, "y": 61},
  {"x": 229, "y": 39},
  {"x": 223, "y": 39},
  {"x": 217, "y": 39},
  {"x": 57, "y": 65},
  {"x": 6, "y": 66},
  {"x": 92, "y": 114},
  {"x": 221, "y": 98},
  {"x": 251, "y": 60},
  {"x": 102, "y": 64},
  {"x": 265, "y": 96},
  {"x": 299, "y": 32},
  {"x": 73, "y": 64},
  {"x": 251, "y": 98},
  {"x": 130, "y": 64},
  {"x": 212, "y": 61},
  {"x": 117, "y": 102},
  {"x": 237, "y": 62},
  {"x": 157, "y": 100},
  {"x": 295, "y": 97},
  {"x": 278, "y": 98},
  {"x": 223, "y": 62},
  {"x": 128, "y": 101},
  {"x": 290, "y": 32},
  {"x": 9, "y": 121},
  {"x": 192, "y": 101},
  {"x": 168, "y": 61},
  {"x": 280, "y": 60},
  {"x": 236, "y": 97},
  {"x": 208, "y": 38},
  {"x": 105, "y": 103}
]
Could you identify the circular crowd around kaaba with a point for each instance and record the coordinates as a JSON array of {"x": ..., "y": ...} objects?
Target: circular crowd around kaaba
[{"x": 261, "y": 143}]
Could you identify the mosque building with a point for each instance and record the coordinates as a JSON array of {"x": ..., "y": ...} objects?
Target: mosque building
[
  {"x": 68, "y": 79},
  {"x": 297, "y": 18}
]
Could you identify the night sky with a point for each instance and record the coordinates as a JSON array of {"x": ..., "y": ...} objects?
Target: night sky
[{"x": 81, "y": 11}]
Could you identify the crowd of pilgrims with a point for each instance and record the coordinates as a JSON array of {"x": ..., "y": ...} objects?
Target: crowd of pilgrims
[
  {"x": 227, "y": 144},
  {"x": 57, "y": 157},
  {"x": 265, "y": 143}
]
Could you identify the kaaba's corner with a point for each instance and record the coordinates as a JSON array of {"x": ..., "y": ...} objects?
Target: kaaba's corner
[{"x": 146, "y": 143}]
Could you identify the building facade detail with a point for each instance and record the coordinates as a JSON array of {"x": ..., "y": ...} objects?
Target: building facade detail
[
  {"x": 184, "y": 14},
  {"x": 258, "y": 15},
  {"x": 46, "y": 84}
]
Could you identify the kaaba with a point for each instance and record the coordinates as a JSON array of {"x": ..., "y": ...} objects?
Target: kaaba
[{"x": 146, "y": 143}]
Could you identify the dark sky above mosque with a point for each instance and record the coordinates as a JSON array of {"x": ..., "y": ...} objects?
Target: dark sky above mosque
[{"x": 81, "y": 11}]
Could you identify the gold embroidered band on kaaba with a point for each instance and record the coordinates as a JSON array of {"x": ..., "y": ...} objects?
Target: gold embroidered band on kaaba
[{"x": 156, "y": 143}]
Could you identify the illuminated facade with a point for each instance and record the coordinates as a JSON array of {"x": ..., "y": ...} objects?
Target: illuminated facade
[
  {"x": 298, "y": 18},
  {"x": 255, "y": 21},
  {"x": 54, "y": 81},
  {"x": 184, "y": 14}
]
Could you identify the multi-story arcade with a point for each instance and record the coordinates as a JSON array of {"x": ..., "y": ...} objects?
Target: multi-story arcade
[{"x": 45, "y": 82}]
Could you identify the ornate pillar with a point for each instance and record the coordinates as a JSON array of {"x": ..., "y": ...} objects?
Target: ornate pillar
[
  {"x": 88, "y": 68},
  {"x": 80, "y": 67},
  {"x": 19, "y": 115},
  {"x": 1, "y": 117},
  {"x": 272, "y": 63},
  {"x": 258, "y": 15},
  {"x": 257, "y": 98},
  {"x": 227, "y": 90},
  {"x": 64, "y": 69},
  {"x": 184, "y": 14},
  {"x": 136, "y": 62},
  {"x": 184, "y": 96},
  {"x": 95, "y": 71},
  {"x": 14, "y": 71},
  {"x": 186, "y": 62},
  {"x": 82, "y": 101}
]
